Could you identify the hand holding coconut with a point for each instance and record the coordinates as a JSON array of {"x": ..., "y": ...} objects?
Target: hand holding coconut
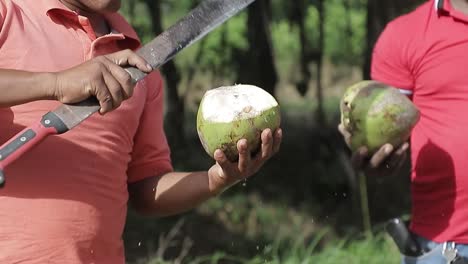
[
  {"x": 376, "y": 122},
  {"x": 238, "y": 127},
  {"x": 225, "y": 173},
  {"x": 385, "y": 161}
]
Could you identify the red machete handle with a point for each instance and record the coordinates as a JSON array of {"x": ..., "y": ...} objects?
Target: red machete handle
[{"x": 28, "y": 138}]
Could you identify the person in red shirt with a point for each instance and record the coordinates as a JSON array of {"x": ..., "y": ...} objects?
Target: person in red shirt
[
  {"x": 66, "y": 200},
  {"x": 424, "y": 54}
]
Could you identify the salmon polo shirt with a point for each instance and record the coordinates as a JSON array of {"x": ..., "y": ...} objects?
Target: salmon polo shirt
[
  {"x": 65, "y": 201},
  {"x": 425, "y": 53}
]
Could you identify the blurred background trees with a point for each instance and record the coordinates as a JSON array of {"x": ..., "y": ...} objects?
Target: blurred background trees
[{"x": 305, "y": 53}]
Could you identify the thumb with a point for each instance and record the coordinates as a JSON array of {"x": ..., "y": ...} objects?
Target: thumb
[{"x": 220, "y": 158}]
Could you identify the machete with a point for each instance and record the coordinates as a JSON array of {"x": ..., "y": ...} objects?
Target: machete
[{"x": 200, "y": 21}]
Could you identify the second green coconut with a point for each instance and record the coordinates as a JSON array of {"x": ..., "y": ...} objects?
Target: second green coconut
[{"x": 376, "y": 114}]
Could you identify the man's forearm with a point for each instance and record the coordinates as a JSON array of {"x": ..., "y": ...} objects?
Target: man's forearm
[
  {"x": 18, "y": 87},
  {"x": 172, "y": 193}
]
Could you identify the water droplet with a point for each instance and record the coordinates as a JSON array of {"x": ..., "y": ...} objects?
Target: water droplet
[
  {"x": 258, "y": 247},
  {"x": 139, "y": 243},
  {"x": 344, "y": 194},
  {"x": 92, "y": 251}
]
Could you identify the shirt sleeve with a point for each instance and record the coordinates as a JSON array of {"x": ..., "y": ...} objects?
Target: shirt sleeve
[
  {"x": 151, "y": 153},
  {"x": 390, "y": 63}
]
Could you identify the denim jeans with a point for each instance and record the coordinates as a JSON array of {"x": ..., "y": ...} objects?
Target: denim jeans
[{"x": 433, "y": 253}]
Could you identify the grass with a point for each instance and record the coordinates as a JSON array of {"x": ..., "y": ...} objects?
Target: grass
[
  {"x": 379, "y": 250},
  {"x": 244, "y": 228}
]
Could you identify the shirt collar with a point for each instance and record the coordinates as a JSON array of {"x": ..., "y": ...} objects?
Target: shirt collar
[
  {"x": 444, "y": 7},
  {"x": 438, "y": 5},
  {"x": 116, "y": 21}
]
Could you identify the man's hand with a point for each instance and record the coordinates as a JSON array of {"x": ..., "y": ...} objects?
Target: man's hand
[
  {"x": 225, "y": 173},
  {"x": 386, "y": 161},
  {"x": 102, "y": 77}
]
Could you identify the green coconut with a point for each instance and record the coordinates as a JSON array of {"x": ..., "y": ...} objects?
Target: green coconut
[
  {"x": 230, "y": 113},
  {"x": 375, "y": 114}
]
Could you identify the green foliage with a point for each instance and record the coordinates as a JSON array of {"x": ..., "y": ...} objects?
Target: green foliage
[
  {"x": 344, "y": 35},
  {"x": 286, "y": 46},
  {"x": 217, "y": 48},
  {"x": 344, "y": 31}
]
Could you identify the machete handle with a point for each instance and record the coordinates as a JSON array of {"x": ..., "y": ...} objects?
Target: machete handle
[
  {"x": 403, "y": 238},
  {"x": 28, "y": 138}
]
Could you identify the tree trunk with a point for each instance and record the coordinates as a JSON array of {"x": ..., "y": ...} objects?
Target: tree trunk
[
  {"x": 297, "y": 16},
  {"x": 174, "y": 120},
  {"x": 320, "y": 112},
  {"x": 257, "y": 66}
]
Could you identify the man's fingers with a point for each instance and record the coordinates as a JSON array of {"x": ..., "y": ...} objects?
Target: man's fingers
[
  {"x": 244, "y": 155},
  {"x": 345, "y": 133},
  {"x": 277, "y": 139},
  {"x": 382, "y": 154},
  {"x": 267, "y": 144},
  {"x": 99, "y": 89},
  {"x": 123, "y": 77},
  {"x": 399, "y": 155},
  {"x": 140, "y": 63},
  {"x": 359, "y": 157},
  {"x": 343, "y": 130},
  {"x": 402, "y": 160},
  {"x": 402, "y": 149},
  {"x": 220, "y": 157},
  {"x": 223, "y": 162},
  {"x": 114, "y": 89},
  {"x": 129, "y": 58}
]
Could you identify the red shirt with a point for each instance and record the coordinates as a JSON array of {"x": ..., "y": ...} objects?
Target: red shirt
[
  {"x": 65, "y": 201},
  {"x": 425, "y": 52}
]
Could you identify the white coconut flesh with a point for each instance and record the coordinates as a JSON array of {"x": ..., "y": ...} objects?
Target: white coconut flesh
[{"x": 228, "y": 103}]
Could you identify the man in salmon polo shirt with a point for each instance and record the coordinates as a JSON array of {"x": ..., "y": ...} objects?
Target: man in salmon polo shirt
[
  {"x": 425, "y": 54},
  {"x": 66, "y": 200}
]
